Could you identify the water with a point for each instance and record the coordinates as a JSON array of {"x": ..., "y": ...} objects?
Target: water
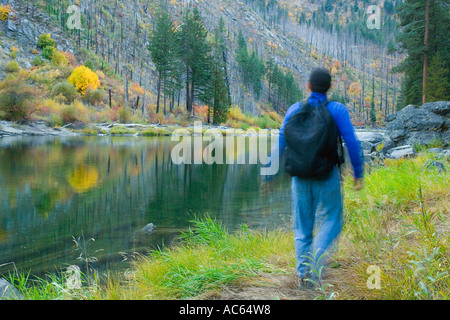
[{"x": 53, "y": 190}]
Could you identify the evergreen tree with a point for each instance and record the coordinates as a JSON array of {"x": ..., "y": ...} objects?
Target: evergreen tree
[
  {"x": 438, "y": 85},
  {"x": 163, "y": 48},
  {"x": 251, "y": 65},
  {"x": 194, "y": 52},
  {"x": 413, "y": 19},
  {"x": 221, "y": 96}
]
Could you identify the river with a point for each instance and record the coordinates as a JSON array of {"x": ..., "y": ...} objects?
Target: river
[{"x": 57, "y": 189}]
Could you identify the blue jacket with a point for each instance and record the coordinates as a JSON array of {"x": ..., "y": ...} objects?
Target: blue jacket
[{"x": 345, "y": 127}]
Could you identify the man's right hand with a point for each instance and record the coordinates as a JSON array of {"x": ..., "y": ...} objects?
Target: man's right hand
[{"x": 359, "y": 184}]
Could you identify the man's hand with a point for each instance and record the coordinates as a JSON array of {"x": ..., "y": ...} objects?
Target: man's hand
[{"x": 359, "y": 184}]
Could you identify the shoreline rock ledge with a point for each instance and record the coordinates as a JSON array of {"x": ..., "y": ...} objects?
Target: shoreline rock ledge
[
  {"x": 420, "y": 125},
  {"x": 410, "y": 127}
]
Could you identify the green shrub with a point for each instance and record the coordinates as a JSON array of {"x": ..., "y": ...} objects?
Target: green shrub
[
  {"x": 58, "y": 58},
  {"x": 54, "y": 121},
  {"x": 69, "y": 114},
  {"x": 45, "y": 41},
  {"x": 37, "y": 61},
  {"x": 266, "y": 122},
  {"x": 65, "y": 89},
  {"x": 123, "y": 115},
  {"x": 93, "y": 96},
  {"x": 48, "y": 52},
  {"x": 16, "y": 100},
  {"x": 12, "y": 66}
]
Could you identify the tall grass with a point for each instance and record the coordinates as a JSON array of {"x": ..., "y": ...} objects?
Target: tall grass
[
  {"x": 396, "y": 222},
  {"x": 207, "y": 258}
]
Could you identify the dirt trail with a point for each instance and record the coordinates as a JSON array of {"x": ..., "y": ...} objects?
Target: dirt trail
[{"x": 265, "y": 287}]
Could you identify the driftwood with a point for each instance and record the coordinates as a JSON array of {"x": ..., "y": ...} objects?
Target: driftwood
[{"x": 125, "y": 125}]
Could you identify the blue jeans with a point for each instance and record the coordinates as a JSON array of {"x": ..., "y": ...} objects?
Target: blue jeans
[{"x": 315, "y": 204}]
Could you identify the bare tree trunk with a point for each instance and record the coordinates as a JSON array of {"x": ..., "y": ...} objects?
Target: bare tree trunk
[
  {"x": 425, "y": 59},
  {"x": 187, "y": 90},
  {"x": 159, "y": 93}
]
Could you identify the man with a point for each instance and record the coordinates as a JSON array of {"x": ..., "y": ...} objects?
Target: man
[{"x": 314, "y": 199}]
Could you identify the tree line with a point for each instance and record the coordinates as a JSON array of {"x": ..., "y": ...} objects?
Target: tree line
[
  {"x": 282, "y": 89},
  {"x": 184, "y": 57}
]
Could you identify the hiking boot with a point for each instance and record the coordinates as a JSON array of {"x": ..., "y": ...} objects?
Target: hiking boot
[{"x": 303, "y": 284}]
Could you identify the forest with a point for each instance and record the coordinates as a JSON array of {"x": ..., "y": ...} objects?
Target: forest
[{"x": 171, "y": 61}]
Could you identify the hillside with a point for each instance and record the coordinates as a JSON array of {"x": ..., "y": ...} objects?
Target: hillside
[{"x": 288, "y": 38}]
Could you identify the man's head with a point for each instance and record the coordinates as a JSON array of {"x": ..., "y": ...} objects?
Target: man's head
[{"x": 320, "y": 81}]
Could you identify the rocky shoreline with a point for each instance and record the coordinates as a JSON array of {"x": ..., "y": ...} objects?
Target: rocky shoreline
[
  {"x": 10, "y": 129},
  {"x": 410, "y": 129},
  {"x": 405, "y": 131}
]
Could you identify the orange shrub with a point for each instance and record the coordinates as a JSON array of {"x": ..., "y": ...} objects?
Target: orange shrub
[{"x": 137, "y": 89}]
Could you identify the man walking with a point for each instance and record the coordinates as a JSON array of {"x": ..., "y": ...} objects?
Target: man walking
[{"x": 309, "y": 142}]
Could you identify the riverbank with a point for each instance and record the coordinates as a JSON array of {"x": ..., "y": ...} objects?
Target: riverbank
[
  {"x": 398, "y": 224},
  {"x": 39, "y": 128}
]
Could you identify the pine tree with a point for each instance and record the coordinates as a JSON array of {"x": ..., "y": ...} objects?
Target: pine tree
[
  {"x": 194, "y": 52},
  {"x": 221, "y": 97},
  {"x": 252, "y": 67},
  {"x": 421, "y": 49},
  {"x": 163, "y": 48},
  {"x": 438, "y": 84}
]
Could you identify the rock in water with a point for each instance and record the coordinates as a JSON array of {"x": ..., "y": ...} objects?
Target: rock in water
[{"x": 149, "y": 228}]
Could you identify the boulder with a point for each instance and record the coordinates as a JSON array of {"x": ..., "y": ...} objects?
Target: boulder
[
  {"x": 367, "y": 146},
  {"x": 435, "y": 150},
  {"x": 149, "y": 228},
  {"x": 420, "y": 125},
  {"x": 416, "y": 119},
  {"x": 401, "y": 152},
  {"x": 446, "y": 136},
  {"x": 11, "y": 28},
  {"x": 7, "y": 291},
  {"x": 371, "y": 137},
  {"x": 431, "y": 164},
  {"x": 386, "y": 146},
  {"x": 441, "y": 107},
  {"x": 446, "y": 153},
  {"x": 423, "y": 137}
]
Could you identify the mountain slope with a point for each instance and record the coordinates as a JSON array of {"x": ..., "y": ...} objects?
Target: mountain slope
[{"x": 115, "y": 36}]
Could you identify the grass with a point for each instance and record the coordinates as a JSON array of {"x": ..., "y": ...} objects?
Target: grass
[
  {"x": 395, "y": 223},
  {"x": 398, "y": 222},
  {"x": 207, "y": 259}
]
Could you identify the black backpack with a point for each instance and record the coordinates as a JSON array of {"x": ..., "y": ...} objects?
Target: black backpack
[{"x": 313, "y": 143}]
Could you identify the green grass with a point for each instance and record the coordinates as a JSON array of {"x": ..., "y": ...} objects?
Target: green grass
[
  {"x": 398, "y": 222},
  {"x": 155, "y": 132},
  {"x": 395, "y": 223},
  {"x": 206, "y": 259}
]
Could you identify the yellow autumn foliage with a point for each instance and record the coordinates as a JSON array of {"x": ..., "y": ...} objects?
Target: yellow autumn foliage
[
  {"x": 4, "y": 12},
  {"x": 83, "y": 178},
  {"x": 355, "y": 89},
  {"x": 83, "y": 78}
]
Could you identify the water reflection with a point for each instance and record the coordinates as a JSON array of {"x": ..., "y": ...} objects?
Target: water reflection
[{"x": 54, "y": 189}]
